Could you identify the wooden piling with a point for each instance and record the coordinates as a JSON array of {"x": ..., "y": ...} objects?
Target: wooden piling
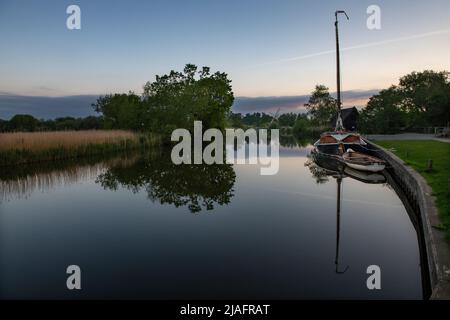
[{"x": 429, "y": 165}]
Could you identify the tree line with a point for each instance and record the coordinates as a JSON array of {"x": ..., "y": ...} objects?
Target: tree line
[
  {"x": 28, "y": 123},
  {"x": 172, "y": 101},
  {"x": 175, "y": 100},
  {"x": 421, "y": 99}
]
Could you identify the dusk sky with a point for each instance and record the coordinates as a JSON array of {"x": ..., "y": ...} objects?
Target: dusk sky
[{"x": 268, "y": 48}]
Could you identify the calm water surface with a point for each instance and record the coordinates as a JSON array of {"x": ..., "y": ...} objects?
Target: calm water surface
[{"x": 140, "y": 227}]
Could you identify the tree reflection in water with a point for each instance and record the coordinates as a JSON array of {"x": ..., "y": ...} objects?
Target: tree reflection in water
[
  {"x": 195, "y": 186},
  {"x": 19, "y": 182}
]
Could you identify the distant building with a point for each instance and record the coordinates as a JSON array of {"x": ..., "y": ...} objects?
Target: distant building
[{"x": 349, "y": 119}]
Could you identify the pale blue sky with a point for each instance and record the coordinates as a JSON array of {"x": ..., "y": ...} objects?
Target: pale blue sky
[{"x": 122, "y": 44}]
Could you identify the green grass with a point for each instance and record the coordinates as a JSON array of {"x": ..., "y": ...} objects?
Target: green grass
[{"x": 416, "y": 154}]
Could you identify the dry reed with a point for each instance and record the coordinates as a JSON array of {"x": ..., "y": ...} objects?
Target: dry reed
[
  {"x": 38, "y": 141},
  {"x": 27, "y": 147}
]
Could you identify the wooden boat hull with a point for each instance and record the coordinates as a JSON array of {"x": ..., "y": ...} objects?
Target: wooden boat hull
[
  {"x": 376, "y": 167},
  {"x": 363, "y": 162},
  {"x": 365, "y": 176}
]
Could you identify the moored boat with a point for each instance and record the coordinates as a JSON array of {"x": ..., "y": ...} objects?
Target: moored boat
[
  {"x": 363, "y": 162},
  {"x": 337, "y": 143}
]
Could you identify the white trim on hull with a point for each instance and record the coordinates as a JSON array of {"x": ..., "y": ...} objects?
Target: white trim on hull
[{"x": 375, "y": 167}]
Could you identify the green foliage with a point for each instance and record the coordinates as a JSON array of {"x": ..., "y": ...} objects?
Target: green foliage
[
  {"x": 235, "y": 120},
  {"x": 421, "y": 99},
  {"x": 427, "y": 94},
  {"x": 3, "y": 125},
  {"x": 172, "y": 101},
  {"x": 287, "y": 119},
  {"x": 120, "y": 111},
  {"x": 383, "y": 113},
  {"x": 321, "y": 106},
  {"x": 416, "y": 154},
  {"x": 22, "y": 122},
  {"x": 302, "y": 126},
  {"x": 178, "y": 99},
  {"x": 27, "y": 123},
  {"x": 257, "y": 119}
]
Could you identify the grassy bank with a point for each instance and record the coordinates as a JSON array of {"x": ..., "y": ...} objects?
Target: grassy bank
[
  {"x": 416, "y": 154},
  {"x": 30, "y": 147}
]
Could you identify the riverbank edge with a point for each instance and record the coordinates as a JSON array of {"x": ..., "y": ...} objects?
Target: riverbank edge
[{"x": 437, "y": 248}]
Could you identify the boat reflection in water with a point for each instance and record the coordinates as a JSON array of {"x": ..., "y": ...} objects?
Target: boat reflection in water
[{"x": 323, "y": 166}]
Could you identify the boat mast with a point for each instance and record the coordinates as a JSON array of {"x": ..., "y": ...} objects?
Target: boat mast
[
  {"x": 338, "y": 225},
  {"x": 339, "y": 125}
]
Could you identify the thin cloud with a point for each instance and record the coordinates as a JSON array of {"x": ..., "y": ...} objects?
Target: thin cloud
[{"x": 362, "y": 46}]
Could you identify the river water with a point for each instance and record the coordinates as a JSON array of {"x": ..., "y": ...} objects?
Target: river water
[{"x": 140, "y": 227}]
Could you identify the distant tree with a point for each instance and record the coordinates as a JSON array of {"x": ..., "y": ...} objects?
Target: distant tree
[
  {"x": 321, "y": 106},
  {"x": 90, "y": 122},
  {"x": 421, "y": 99},
  {"x": 257, "y": 119},
  {"x": 302, "y": 126},
  {"x": 29, "y": 123},
  {"x": 121, "y": 111},
  {"x": 384, "y": 113},
  {"x": 66, "y": 123},
  {"x": 235, "y": 120},
  {"x": 426, "y": 95},
  {"x": 287, "y": 119},
  {"x": 3, "y": 125},
  {"x": 23, "y": 122}
]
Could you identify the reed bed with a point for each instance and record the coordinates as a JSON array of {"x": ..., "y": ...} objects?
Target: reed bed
[
  {"x": 20, "y": 182},
  {"x": 28, "y": 147}
]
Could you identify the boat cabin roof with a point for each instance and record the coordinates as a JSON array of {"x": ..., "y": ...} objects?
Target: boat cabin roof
[{"x": 336, "y": 137}]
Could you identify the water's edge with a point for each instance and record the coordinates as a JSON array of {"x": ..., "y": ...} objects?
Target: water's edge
[{"x": 433, "y": 246}]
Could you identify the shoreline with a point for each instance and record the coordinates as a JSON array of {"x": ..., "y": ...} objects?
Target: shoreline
[{"x": 437, "y": 248}]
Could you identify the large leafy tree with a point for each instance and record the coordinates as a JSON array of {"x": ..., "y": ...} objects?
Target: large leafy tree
[
  {"x": 321, "y": 106},
  {"x": 120, "y": 111},
  {"x": 384, "y": 112},
  {"x": 426, "y": 96},
  {"x": 421, "y": 99},
  {"x": 178, "y": 99},
  {"x": 174, "y": 100}
]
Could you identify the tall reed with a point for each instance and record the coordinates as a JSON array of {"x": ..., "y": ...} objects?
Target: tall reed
[{"x": 27, "y": 147}]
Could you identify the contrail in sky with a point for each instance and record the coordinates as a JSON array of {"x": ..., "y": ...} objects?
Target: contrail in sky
[{"x": 361, "y": 46}]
